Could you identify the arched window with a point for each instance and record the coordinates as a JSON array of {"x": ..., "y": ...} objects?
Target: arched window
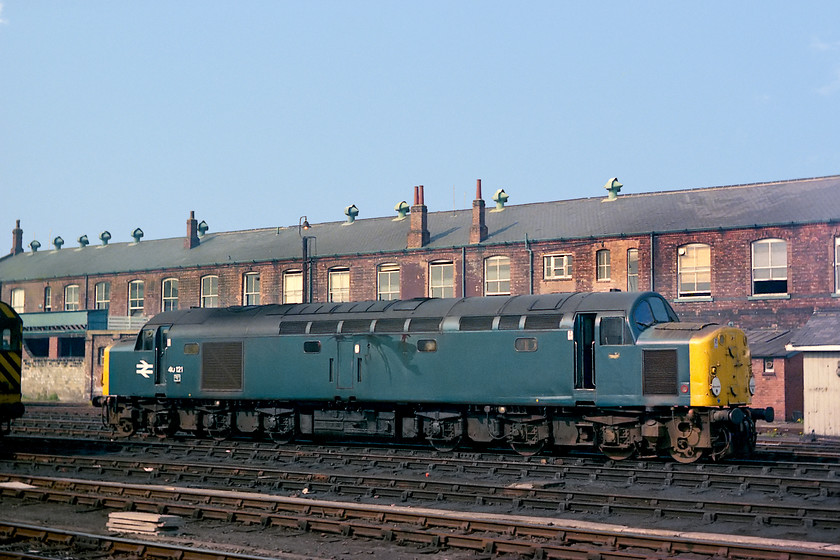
[
  {"x": 769, "y": 267},
  {"x": 169, "y": 294},
  {"x": 136, "y": 290},
  {"x": 388, "y": 282},
  {"x": 441, "y": 279},
  {"x": 632, "y": 270},
  {"x": 339, "y": 288},
  {"x": 251, "y": 289},
  {"x": 602, "y": 260},
  {"x": 293, "y": 286},
  {"x": 18, "y": 299},
  {"x": 102, "y": 295},
  {"x": 71, "y": 297},
  {"x": 210, "y": 291},
  {"x": 497, "y": 276},
  {"x": 694, "y": 270}
]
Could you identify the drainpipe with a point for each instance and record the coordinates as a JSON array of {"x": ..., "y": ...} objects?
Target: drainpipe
[
  {"x": 530, "y": 266},
  {"x": 652, "y": 284},
  {"x": 463, "y": 272}
]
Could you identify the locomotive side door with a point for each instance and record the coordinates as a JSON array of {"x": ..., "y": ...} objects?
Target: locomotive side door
[
  {"x": 584, "y": 337},
  {"x": 349, "y": 362},
  {"x": 150, "y": 349}
]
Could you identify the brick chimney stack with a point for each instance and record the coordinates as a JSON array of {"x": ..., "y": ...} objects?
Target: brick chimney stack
[
  {"x": 478, "y": 231},
  {"x": 192, "y": 232},
  {"x": 17, "y": 239},
  {"x": 418, "y": 232}
]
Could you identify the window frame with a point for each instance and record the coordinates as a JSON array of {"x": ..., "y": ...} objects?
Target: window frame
[
  {"x": 72, "y": 295},
  {"x": 387, "y": 291},
  {"x": 837, "y": 265},
  {"x": 338, "y": 284},
  {"x": 47, "y": 298},
  {"x": 168, "y": 301},
  {"x": 18, "y": 293},
  {"x": 139, "y": 288},
  {"x": 209, "y": 296},
  {"x": 633, "y": 270},
  {"x": 691, "y": 264},
  {"x": 438, "y": 285},
  {"x": 603, "y": 265},
  {"x": 550, "y": 266},
  {"x": 102, "y": 300},
  {"x": 771, "y": 266},
  {"x": 497, "y": 264},
  {"x": 288, "y": 295},
  {"x": 251, "y": 288}
]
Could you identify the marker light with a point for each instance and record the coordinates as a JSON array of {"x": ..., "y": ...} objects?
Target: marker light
[{"x": 716, "y": 387}]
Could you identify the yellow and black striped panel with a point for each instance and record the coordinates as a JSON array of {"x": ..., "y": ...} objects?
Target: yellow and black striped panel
[{"x": 11, "y": 330}]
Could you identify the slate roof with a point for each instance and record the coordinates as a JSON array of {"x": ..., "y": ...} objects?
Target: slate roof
[
  {"x": 821, "y": 332},
  {"x": 800, "y": 201},
  {"x": 769, "y": 343}
]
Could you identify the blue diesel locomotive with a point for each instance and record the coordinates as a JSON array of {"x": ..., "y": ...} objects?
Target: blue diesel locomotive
[{"x": 613, "y": 371}]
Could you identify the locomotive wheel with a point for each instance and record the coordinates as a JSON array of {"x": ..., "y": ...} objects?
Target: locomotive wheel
[
  {"x": 444, "y": 445},
  {"x": 618, "y": 453},
  {"x": 687, "y": 454},
  {"x": 528, "y": 449},
  {"x": 281, "y": 429},
  {"x": 219, "y": 428},
  {"x": 124, "y": 428}
]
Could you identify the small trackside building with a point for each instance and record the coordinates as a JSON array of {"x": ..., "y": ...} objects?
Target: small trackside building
[{"x": 819, "y": 341}]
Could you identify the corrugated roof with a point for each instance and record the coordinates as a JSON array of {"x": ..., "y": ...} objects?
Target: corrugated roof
[
  {"x": 822, "y": 329},
  {"x": 778, "y": 203}
]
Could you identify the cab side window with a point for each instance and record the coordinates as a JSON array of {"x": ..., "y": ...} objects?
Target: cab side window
[{"x": 613, "y": 331}]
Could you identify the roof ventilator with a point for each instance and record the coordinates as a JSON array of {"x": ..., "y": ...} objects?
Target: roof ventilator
[
  {"x": 137, "y": 234},
  {"x": 351, "y": 212},
  {"x": 500, "y": 198},
  {"x": 105, "y": 237},
  {"x": 202, "y": 228},
  {"x": 58, "y": 242},
  {"x": 35, "y": 245},
  {"x": 402, "y": 208},
  {"x": 613, "y": 186},
  {"x": 83, "y": 241}
]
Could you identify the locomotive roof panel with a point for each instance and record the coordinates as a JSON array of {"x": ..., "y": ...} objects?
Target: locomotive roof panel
[
  {"x": 762, "y": 204},
  {"x": 267, "y": 318}
]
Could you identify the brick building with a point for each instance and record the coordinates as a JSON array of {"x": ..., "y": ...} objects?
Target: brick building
[{"x": 763, "y": 256}]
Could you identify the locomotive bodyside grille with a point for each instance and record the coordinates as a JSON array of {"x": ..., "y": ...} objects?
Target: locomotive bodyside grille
[
  {"x": 659, "y": 372},
  {"x": 221, "y": 366}
]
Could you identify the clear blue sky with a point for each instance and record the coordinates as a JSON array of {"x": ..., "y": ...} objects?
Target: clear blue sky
[{"x": 123, "y": 114}]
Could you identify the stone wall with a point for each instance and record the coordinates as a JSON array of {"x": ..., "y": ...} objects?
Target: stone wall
[{"x": 64, "y": 380}]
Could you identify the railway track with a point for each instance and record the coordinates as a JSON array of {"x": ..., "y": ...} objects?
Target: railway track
[
  {"x": 539, "y": 495},
  {"x": 488, "y": 533}
]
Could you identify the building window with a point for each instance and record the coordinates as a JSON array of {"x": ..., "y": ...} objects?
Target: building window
[
  {"x": 769, "y": 267},
  {"x": 441, "y": 280},
  {"x": 102, "y": 295},
  {"x": 17, "y": 299},
  {"x": 497, "y": 276},
  {"x": 602, "y": 259},
  {"x": 210, "y": 291},
  {"x": 47, "y": 299},
  {"x": 251, "y": 295},
  {"x": 71, "y": 297},
  {"x": 339, "y": 284},
  {"x": 136, "y": 291},
  {"x": 388, "y": 282},
  {"x": 694, "y": 270},
  {"x": 632, "y": 270},
  {"x": 837, "y": 265},
  {"x": 169, "y": 289},
  {"x": 293, "y": 286},
  {"x": 557, "y": 267},
  {"x": 769, "y": 366}
]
